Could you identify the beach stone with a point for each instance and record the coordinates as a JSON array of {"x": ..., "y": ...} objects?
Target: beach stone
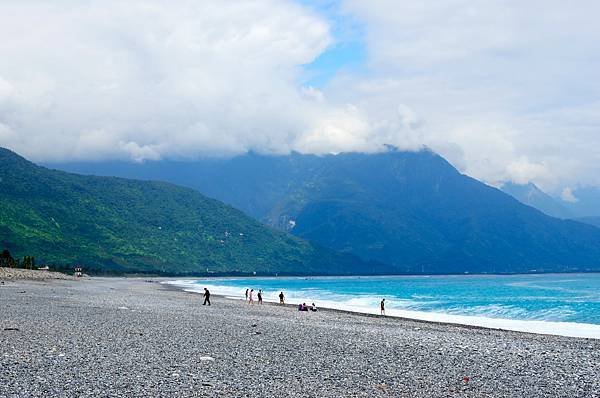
[{"x": 155, "y": 351}]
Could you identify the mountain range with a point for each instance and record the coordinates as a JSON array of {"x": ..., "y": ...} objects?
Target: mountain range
[
  {"x": 584, "y": 206},
  {"x": 533, "y": 196},
  {"x": 110, "y": 224},
  {"x": 410, "y": 210}
]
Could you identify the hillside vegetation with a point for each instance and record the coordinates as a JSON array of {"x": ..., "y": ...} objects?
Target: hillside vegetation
[
  {"x": 411, "y": 210},
  {"x": 118, "y": 225}
]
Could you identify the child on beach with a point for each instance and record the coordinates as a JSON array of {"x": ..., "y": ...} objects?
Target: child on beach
[
  {"x": 250, "y": 298},
  {"x": 260, "y": 296},
  {"x": 281, "y": 298}
]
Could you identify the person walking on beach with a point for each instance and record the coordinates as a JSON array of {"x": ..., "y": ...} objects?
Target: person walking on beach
[
  {"x": 246, "y": 294},
  {"x": 250, "y": 298},
  {"x": 260, "y": 296},
  {"x": 382, "y": 307},
  {"x": 206, "y": 296},
  {"x": 281, "y": 298}
]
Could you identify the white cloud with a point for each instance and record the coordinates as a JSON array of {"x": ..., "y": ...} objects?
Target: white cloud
[
  {"x": 506, "y": 90},
  {"x": 522, "y": 171},
  {"x": 340, "y": 130},
  {"x": 147, "y": 79},
  {"x": 568, "y": 196}
]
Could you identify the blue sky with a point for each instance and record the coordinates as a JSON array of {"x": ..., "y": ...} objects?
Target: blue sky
[
  {"x": 346, "y": 54},
  {"x": 340, "y": 57}
]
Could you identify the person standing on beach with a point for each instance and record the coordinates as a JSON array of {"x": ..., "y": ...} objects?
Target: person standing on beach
[
  {"x": 382, "y": 307},
  {"x": 260, "y": 296},
  {"x": 281, "y": 298},
  {"x": 250, "y": 298},
  {"x": 206, "y": 296},
  {"x": 246, "y": 294}
]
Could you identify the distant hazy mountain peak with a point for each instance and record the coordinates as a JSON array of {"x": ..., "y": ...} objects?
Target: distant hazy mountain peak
[{"x": 531, "y": 195}]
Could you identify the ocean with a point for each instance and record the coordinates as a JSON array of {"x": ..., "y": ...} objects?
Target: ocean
[{"x": 562, "y": 304}]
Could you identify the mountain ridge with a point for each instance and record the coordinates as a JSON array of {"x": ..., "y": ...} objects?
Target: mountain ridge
[
  {"x": 123, "y": 225},
  {"x": 411, "y": 210},
  {"x": 533, "y": 196}
]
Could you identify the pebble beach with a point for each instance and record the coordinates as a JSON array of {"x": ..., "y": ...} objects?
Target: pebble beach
[{"x": 127, "y": 337}]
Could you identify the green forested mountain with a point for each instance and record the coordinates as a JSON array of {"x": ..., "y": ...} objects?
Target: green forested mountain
[
  {"x": 120, "y": 225},
  {"x": 411, "y": 210}
]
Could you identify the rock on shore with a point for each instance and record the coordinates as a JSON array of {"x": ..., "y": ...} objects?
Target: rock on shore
[
  {"x": 118, "y": 337},
  {"x": 20, "y": 274}
]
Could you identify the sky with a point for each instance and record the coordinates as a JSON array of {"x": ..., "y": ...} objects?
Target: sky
[{"x": 505, "y": 90}]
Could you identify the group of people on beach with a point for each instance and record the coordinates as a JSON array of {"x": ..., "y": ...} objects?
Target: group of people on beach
[
  {"x": 250, "y": 296},
  {"x": 259, "y": 295},
  {"x": 301, "y": 307},
  {"x": 304, "y": 307}
]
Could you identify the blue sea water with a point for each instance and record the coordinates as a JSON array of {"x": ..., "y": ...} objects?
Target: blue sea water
[{"x": 540, "y": 302}]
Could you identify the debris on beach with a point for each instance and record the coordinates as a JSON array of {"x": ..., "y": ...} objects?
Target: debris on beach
[{"x": 382, "y": 387}]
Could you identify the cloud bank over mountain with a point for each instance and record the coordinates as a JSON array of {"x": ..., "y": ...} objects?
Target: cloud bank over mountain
[
  {"x": 504, "y": 90},
  {"x": 507, "y": 90}
]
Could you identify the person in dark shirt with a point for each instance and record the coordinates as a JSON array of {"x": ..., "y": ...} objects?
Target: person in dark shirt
[
  {"x": 382, "y": 307},
  {"x": 206, "y": 296},
  {"x": 260, "y": 296},
  {"x": 281, "y": 298}
]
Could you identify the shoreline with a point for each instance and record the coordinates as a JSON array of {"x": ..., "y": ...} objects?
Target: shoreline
[
  {"x": 294, "y": 307},
  {"x": 538, "y": 327},
  {"x": 138, "y": 337},
  {"x": 327, "y": 276}
]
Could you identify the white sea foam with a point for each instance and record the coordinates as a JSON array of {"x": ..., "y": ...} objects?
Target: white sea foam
[{"x": 370, "y": 305}]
